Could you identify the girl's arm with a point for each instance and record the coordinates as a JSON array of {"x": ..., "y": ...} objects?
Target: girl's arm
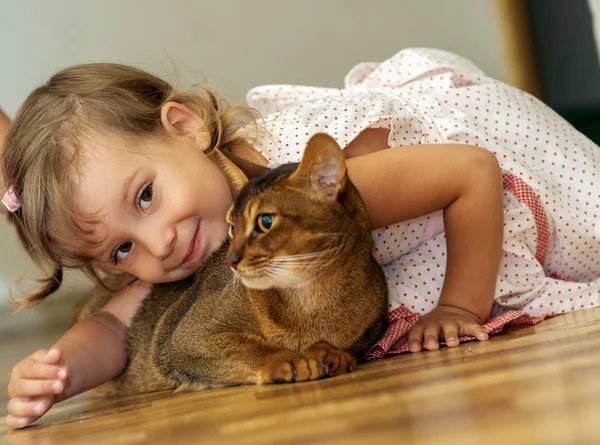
[
  {"x": 91, "y": 353},
  {"x": 410, "y": 181},
  {"x": 466, "y": 182}
]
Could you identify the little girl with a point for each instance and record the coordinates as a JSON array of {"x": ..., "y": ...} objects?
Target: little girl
[{"x": 112, "y": 169}]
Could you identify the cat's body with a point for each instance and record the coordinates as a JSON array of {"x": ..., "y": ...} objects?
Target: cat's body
[{"x": 263, "y": 308}]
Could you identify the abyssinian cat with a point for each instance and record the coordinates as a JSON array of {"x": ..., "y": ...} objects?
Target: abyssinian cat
[{"x": 294, "y": 295}]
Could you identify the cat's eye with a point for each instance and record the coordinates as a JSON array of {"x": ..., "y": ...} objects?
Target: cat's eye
[
  {"x": 231, "y": 231},
  {"x": 264, "y": 222}
]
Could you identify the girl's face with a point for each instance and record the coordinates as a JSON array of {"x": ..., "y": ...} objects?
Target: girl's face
[{"x": 161, "y": 205}]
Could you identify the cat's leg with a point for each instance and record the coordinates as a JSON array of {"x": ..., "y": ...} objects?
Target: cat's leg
[
  {"x": 337, "y": 361},
  {"x": 231, "y": 358}
]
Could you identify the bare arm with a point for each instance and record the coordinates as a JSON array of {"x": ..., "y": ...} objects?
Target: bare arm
[
  {"x": 91, "y": 353},
  {"x": 403, "y": 183},
  {"x": 94, "y": 348},
  {"x": 88, "y": 355},
  {"x": 465, "y": 181}
]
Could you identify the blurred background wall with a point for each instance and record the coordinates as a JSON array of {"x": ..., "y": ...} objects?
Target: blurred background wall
[{"x": 236, "y": 44}]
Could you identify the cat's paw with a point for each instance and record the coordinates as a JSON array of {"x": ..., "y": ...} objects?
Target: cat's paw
[
  {"x": 287, "y": 368},
  {"x": 337, "y": 361}
]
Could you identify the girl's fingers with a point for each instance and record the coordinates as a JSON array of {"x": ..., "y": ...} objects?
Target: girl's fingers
[
  {"x": 40, "y": 355},
  {"x": 450, "y": 334},
  {"x": 415, "y": 338},
  {"x": 52, "y": 357},
  {"x": 42, "y": 371},
  {"x": 473, "y": 330},
  {"x": 432, "y": 336},
  {"x": 18, "y": 422},
  {"x": 33, "y": 388},
  {"x": 29, "y": 406}
]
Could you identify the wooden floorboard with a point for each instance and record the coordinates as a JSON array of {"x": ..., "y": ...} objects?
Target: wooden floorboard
[{"x": 530, "y": 385}]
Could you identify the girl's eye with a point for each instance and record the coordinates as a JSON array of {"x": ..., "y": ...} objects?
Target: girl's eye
[
  {"x": 122, "y": 252},
  {"x": 146, "y": 197},
  {"x": 264, "y": 222},
  {"x": 231, "y": 231}
]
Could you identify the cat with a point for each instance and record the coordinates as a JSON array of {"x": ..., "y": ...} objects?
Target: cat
[{"x": 294, "y": 295}]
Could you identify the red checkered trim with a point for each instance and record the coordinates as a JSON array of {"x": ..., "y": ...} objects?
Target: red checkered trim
[
  {"x": 558, "y": 276},
  {"x": 394, "y": 340},
  {"x": 526, "y": 195}
]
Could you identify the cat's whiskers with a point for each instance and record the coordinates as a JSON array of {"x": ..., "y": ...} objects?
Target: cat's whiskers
[
  {"x": 307, "y": 256},
  {"x": 282, "y": 277},
  {"x": 236, "y": 278},
  {"x": 302, "y": 257},
  {"x": 298, "y": 269},
  {"x": 324, "y": 254}
]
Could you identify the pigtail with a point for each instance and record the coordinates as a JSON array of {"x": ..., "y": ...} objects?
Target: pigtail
[
  {"x": 49, "y": 285},
  {"x": 33, "y": 298}
]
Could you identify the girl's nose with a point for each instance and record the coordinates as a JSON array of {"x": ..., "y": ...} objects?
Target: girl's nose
[{"x": 161, "y": 242}]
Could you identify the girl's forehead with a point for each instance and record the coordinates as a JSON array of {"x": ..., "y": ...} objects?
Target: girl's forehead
[
  {"x": 103, "y": 168},
  {"x": 101, "y": 162},
  {"x": 110, "y": 146}
]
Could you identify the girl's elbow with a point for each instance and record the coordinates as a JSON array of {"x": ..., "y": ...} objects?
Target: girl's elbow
[{"x": 485, "y": 166}]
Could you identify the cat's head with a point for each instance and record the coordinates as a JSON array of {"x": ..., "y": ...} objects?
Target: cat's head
[{"x": 291, "y": 224}]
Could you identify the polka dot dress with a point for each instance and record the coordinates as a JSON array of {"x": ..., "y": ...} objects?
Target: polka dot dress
[{"x": 551, "y": 260}]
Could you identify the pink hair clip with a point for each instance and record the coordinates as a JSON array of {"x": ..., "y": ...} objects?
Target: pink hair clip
[{"x": 10, "y": 200}]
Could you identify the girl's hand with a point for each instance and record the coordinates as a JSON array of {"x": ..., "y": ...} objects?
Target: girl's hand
[
  {"x": 34, "y": 384},
  {"x": 444, "y": 322}
]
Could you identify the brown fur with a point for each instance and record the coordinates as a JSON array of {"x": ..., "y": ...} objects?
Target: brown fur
[{"x": 222, "y": 327}]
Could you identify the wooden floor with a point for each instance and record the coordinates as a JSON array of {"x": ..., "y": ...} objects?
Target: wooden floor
[{"x": 530, "y": 385}]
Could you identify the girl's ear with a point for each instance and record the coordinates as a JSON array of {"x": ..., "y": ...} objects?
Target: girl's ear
[{"x": 179, "y": 120}]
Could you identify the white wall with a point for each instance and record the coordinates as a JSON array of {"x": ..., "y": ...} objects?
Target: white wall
[{"x": 236, "y": 44}]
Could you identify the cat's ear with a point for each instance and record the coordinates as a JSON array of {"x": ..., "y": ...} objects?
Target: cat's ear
[
  {"x": 236, "y": 177},
  {"x": 322, "y": 169}
]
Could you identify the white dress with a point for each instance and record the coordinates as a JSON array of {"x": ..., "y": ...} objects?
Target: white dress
[{"x": 551, "y": 259}]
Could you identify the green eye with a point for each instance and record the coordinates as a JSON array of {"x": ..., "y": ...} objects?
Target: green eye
[{"x": 264, "y": 222}]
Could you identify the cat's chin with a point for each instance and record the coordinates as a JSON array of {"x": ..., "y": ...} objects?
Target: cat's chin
[
  {"x": 259, "y": 282},
  {"x": 262, "y": 282},
  {"x": 253, "y": 284}
]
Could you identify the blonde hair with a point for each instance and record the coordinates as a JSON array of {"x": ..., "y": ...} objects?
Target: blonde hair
[{"x": 42, "y": 148}]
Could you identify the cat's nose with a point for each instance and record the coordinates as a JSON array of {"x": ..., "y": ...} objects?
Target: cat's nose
[{"x": 233, "y": 259}]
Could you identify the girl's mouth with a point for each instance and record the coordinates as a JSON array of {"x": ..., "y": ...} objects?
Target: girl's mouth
[{"x": 194, "y": 247}]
